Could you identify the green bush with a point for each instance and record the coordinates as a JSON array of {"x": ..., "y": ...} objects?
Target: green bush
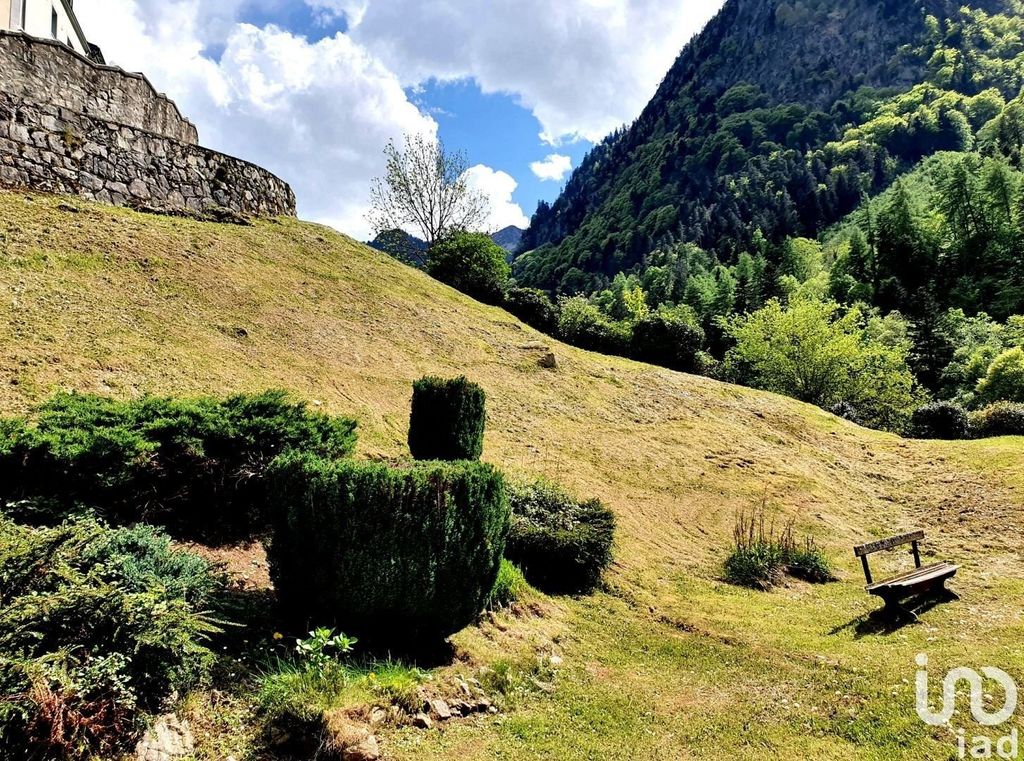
[
  {"x": 668, "y": 339},
  {"x": 533, "y": 307},
  {"x": 193, "y": 465},
  {"x": 386, "y": 553},
  {"x": 1000, "y": 419},
  {"x": 1004, "y": 381},
  {"x": 940, "y": 420},
  {"x": 96, "y": 626},
  {"x": 447, "y": 420},
  {"x": 582, "y": 324},
  {"x": 471, "y": 263},
  {"x": 510, "y": 586},
  {"x": 562, "y": 545},
  {"x": 760, "y": 557}
]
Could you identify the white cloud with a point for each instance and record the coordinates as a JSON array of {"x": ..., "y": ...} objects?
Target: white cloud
[
  {"x": 583, "y": 67},
  {"x": 498, "y": 188},
  {"x": 553, "y": 168},
  {"x": 317, "y": 114}
]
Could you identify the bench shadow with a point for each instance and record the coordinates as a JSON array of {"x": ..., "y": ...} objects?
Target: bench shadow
[{"x": 884, "y": 621}]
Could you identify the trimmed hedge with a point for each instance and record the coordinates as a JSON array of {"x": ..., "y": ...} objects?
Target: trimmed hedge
[
  {"x": 447, "y": 420},
  {"x": 387, "y": 554},
  {"x": 563, "y": 546},
  {"x": 533, "y": 307},
  {"x": 1000, "y": 419},
  {"x": 193, "y": 465},
  {"x": 940, "y": 420},
  {"x": 96, "y": 626}
]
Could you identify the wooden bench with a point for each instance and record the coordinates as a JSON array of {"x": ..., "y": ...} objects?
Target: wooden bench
[{"x": 923, "y": 579}]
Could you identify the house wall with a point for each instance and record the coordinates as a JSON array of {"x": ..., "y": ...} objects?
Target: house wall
[
  {"x": 5, "y": 14},
  {"x": 39, "y": 23}
]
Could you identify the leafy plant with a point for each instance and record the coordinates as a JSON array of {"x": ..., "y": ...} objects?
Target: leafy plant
[
  {"x": 1000, "y": 419},
  {"x": 471, "y": 263},
  {"x": 322, "y": 647},
  {"x": 940, "y": 420},
  {"x": 509, "y": 587}
]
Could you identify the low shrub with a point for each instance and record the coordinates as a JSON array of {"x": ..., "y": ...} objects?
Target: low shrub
[
  {"x": 96, "y": 626},
  {"x": 846, "y": 411},
  {"x": 533, "y": 307},
  {"x": 760, "y": 558},
  {"x": 1000, "y": 419},
  {"x": 940, "y": 420},
  {"x": 447, "y": 420},
  {"x": 390, "y": 554},
  {"x": 670, "y": 339},
  {"x": 193, "y": 465},
  {"x": 582, "y": 324},
  {"x": 509, "y": 587},
  {"x": 562, "y": 545}
]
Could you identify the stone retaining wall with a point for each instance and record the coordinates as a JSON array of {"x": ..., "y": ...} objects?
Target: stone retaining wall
[
  {"x": 45, "y": 71},
  {"x": 51, "y": 148},
  {"x": 68, "y": 125}
]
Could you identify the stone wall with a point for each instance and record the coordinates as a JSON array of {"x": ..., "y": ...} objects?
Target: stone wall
[
  {"x": 51, "y": 148},
  {"x": 68, "y": 125},
  {"x": 49, "y": 72}
]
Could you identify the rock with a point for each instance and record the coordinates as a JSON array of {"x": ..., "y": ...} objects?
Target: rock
[
  {"x": 555, "y": 661},
  {"x": 367, "y": 750},
  {"x": 169, "y": 738},
  {"x": 440, "y": 709},
  {"x": 482, "y": 705},
  {"x": 347, "y": 739},
  {"x": 464, "y": 687},
  {"x": 422, "y": 721},
  {"x": 378, "y": 716},
  {"x": 548, "y": 361}
]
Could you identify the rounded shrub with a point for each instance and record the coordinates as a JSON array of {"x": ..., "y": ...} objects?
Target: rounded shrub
[
  {"x": 1000, "y": 419},
  {"x": 562, "y": 545},
  {"x": 447, "y": 420},
  {"x": 471, "y": 263},
  {"x": 667, "y": 339},
  {"x": 386, "y": 553},
  {"x": 1004, "y": 381},
  {"x": 846, "y": 411},
  {"x": 940, "y": 420},
  {"x": 534, "y": 307}
]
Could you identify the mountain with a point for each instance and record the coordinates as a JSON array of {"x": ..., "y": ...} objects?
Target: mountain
[
  {"x": 509, "y": 238},
  {"x": 124, "y": 303},
  {"x": 747, "y": 138}
]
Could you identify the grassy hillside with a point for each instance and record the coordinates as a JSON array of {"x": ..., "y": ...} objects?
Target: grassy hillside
[{"x": 669, "y": 662}]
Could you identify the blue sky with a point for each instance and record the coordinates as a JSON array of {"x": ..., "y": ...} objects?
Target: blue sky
[{"x": 314, "y": 90}]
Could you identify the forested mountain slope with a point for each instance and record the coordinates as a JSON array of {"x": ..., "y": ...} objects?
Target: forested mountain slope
[{"x": 749, "y": 138}]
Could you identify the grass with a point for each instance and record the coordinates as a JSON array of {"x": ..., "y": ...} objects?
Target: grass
[{"x": 670, "y": 662}]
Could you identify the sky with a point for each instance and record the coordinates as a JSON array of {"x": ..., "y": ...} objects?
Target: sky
[{"x": 313, "y": 90}]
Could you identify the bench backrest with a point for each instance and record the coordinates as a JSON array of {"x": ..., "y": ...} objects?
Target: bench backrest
[
  {"x": 863, "y": 550},
  {"x": 887, "y": 544}
]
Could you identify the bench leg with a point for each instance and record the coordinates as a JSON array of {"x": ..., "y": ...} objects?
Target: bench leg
[{"x": 895, "y": 608}]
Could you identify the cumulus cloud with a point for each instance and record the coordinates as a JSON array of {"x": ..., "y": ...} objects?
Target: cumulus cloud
[
  {"x": 553, "y": 168},
  {"x": 317, "y": 114},
  {"x": 498, "y": 188},
  {"x": 583, "y": 67}
]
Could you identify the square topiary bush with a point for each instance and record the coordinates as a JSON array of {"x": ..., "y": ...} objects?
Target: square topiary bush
[
  {"x": 390, "y": 554},
  {"x": 562, "y": 545},
  {"x": 447, "y": 420}
]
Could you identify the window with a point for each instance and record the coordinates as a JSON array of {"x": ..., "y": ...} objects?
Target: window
[
  {"x": 24, "y": 7},
  {"x": 53, "y": 23}
]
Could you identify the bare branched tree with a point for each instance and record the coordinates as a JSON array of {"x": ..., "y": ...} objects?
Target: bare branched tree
[{"x": 424, "y": 190}]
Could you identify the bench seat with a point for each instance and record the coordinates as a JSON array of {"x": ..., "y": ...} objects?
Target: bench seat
[{"x": 919, "y": 577}]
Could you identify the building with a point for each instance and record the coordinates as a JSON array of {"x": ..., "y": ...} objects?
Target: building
[{"x": 47, "y": 19}]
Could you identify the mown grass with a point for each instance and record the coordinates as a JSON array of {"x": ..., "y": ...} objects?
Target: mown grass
[{"x": 671, "y": 662}]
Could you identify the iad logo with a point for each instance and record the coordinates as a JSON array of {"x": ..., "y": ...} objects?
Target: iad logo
[{"x": 981, "y": 746}]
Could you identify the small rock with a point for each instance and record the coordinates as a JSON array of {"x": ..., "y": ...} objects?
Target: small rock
[
  {"x": 422, "y": 721},
  {"x": 378, "y": 716},
  {"x": 168, "y": 739},
  {"x": 548, "y": 361},
  {"x": 465, "y": 688},
  {"x": 481, "y": 705},
  {"x": 440, "y": 709},
  {"x": 555, "y": 661},
  {"x": 367, "y": 750}
]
